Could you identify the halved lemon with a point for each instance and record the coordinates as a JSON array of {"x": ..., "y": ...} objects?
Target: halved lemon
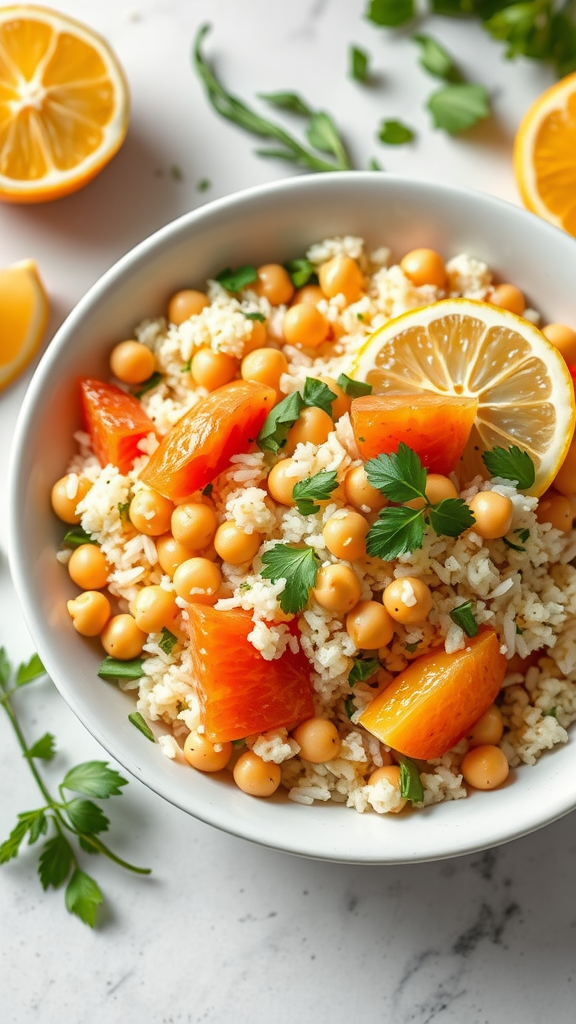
[
  {"x": 545, "y": 155},
  {"x": 524, "y": 391},
  {"x": 23, "y": 317},
  {"x": 63, "y": 104}
]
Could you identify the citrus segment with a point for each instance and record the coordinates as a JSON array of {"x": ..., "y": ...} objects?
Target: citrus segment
[
  {"x": 63, "y": 104},
  {"x": 460, "y": 347},
  {"x": 23, "y": 317},
  {"x": 544, "y": 155},
  {"x": 116, "y": 423}
]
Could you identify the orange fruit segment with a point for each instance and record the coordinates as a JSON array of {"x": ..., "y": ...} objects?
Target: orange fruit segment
[
  {"x": 471, "y": 349},
  {"x": 434, "y": 702},
  {"x": 436, "y": 427},
  {"x": 240, "y": 693},
  {"x": 23, "y": 317},
  {"x": 63, "y": 104},
  {"x": 115, "y": 421},
  {"x": 544, "y": 155}
]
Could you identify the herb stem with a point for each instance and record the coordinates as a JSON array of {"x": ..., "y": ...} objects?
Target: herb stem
[
  {"x": 7, "y": 703},
  {"x": 98, "y": 845}
]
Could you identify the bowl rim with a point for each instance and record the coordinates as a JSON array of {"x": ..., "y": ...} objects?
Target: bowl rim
[{"x": 210, "y": 812}]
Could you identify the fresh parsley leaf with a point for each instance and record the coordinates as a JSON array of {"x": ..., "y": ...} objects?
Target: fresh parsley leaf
[
  {"x": 94, "y": 778},
  {"x": 410, "y": 782},
  {"x": 290, "y": 101},
  {"x": 76, "y": 536},
  {"x": 354, "y": 388},
  {"x": 400, "y": 477},
  {"x": 350, "y": 707},
  {"x": 318, "y": 394},
  {"x": 362, "y": 669},
  {"x": 455, "y": 108},
  {"x": 514, "y": 465},
  {"x": 374, "y": 164},
  {"x": 55, "y": 861},
  {"x": 30, "y": 671},
  {"x": 123, "y": 509},
  {"x": 323, "y": 135},
  {"x": 86, "y": 816},
  {"x": 82, "y": 897},
  {"x": 412, "y": 647},
  {"x": 138, "y": 721},
  {"x": 167, "y": 641},
  {"x": 149, "y": 384},
  {"x": 396, "y": 531},
  {"x": 11, "y": 846},
  {"x": 550, "y": 713},
  {"x": 359, "y": 63},
  {"x": 522, "y": 535},
  {"x": 111, "y": 668},
  {"x": 463, "y": 616},
  {"x": 301, "y": 271},
  {"x": 274, "y": 432},
  {"x": 44, "y": 748},
  {"x": 450, "y": 517},
  {"x": 298, "y": 566},
  {"x": 38, "y": 827},
  {"x": 186, "y": 367},
  {"x": 511, "y": 544},
  {"x": 256, "y": 316},
  {"x": 390, "y": 13},
  {"x": 436, "y": 60},
  {"x": 314, "y": 488},
  {"x": 394, "y": 133},
  {"x": 234, "y": 280}
]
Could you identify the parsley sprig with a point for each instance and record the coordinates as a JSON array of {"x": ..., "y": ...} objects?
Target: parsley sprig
[
  {"x": 298, "y": 566},
  {"x": 512, "y": 464},
  {"x": 71, "y": 814},
  {"x": 274, "y": 432}
]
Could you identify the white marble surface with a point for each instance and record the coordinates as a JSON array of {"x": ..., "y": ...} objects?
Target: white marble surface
[{"x": 224, "y": 930}]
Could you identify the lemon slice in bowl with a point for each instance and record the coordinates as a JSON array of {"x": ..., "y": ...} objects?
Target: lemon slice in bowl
[
  {"x": 524, "y": 391},
  {"x": 63, "y": 104},
  {"x": 23, "y": 317}
]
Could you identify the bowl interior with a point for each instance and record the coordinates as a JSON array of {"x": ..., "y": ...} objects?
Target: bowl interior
[{"x": 268, "y": 224}]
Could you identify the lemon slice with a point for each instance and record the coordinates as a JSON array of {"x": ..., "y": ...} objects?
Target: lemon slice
[
  {"x": 544, "y": 155},
  {"x": 459, "y": 347},
  {"x": 23, "y": 317},
  {"x": 63, "y": 104}
]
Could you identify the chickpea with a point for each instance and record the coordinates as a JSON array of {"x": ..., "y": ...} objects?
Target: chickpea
[
  {"x": 556, "y": 509},
  {"x": 203, "y": 755},
  {"x": 565, "y": 479},
  {"x": 485, "y": 767},
  {"x": 305, "y": 326},
  {"x": 66, "y": 494},
  {"x": 281, "y": 482},
  {"x": 408, "y": 600},
  {"x": 345, "y": 535},
  {"x": 563, "y": 338},
  {"x": 211, "y": 369},
  {"x": 342, "y": 402},
  {"x": 360, "y": 493},
  {"x": 424, "y": 266},
  {"x": 150, "y": 512},
  {"x": 153, "y": 608},
  {"x": 265, "y": 366},
  {"x": 234, "y": 545},
  {"x": 311, "y": 294},
  {"x": 132, "y": 362},
  {"x": 171, "y": 553},
  {"x": 89, "y": 567},
  {"x": 89, "y": 612},
  {"x": 369, "y": 625},
  {"x": 341, "y": 276},
  {"x": 185, "y": 304},
  {"x": 255, "y": 776},
  {"x": 493, "y": 513},
  {"x": 318, "y": 740},
  {"x": 274, "y": 283},
  {"x": 122, "y": 638},
  {"x": 257, "y": 337},
  {"x": 507, "y": 296},
  {"x": 438, "y": 488},
  {"x": 313, "y": 425},
  {"x": 488, "y": 728},
  {"x": 392, "y": 775},
  {"x": 194, "y": 524},
  {"x": 337, "y": 588},
  {"x": 198, "y": 581}
]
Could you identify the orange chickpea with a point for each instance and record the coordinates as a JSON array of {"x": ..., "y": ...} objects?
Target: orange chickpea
[
  {"x": 318, "y": 740},
  {"x": 122, "y": 638},
  {"x": 565, "y": 479},
  {"x": 309, "y": 293},
  {"x": 88, "y": 567},
  {"x": 257, "y": 337},
  {"x": 185, "y": 304},
  {"x": 557, "y": 510},
  {"x": 563, "y": 338},
  {"x": 424, "y": 266},
  {"x": 360, "y": 493},
  {"x": 265, "y": 366},
  {"x": 313, "y": 425},
  {"x": 370, "y": 626},
  {"x": 408, "y": 600},
  {"x": 341, "y": 276},
  {"x": 211, "y": 369},
  {"x": 507, "y": 296},
  {"x": 493, "y": 513},
  {"x": 171, "y": 553},
  {"x": 274, "y": 283},
  {"x": 198, "y": 581},
  {"x": 65, "y": 506},
  {"x": 345, "y": 535},
  {"x": 194, "y": 524},
  {"x": 132, "y": 362},
  {"x": 255, "y": 776},
  {"x": 305, "y": 326},
  {"x": 391, "y": 773},
  {"x": 150, "y": 512},
  {"x": 488, "y": 728},
  {"x": 281, "y": 482},
  {"x": 342, "y": 402},
  {"x": 206, "y": 756},
  {"x": 485, "y": 767}
]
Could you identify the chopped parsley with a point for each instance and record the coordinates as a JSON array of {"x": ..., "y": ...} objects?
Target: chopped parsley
[
  {"x": 350, "y": 707},
  {"x": 456, "y": 107},
  {"x": 362, "y": 669},
  {"x": 359, "y": 64},
  {"x": 301, "y": 272},
  {"x": 167, "y": 641},
  {"x": 314, "y": 488},
  {"x": 298, "y": 566},
  {"x": 317, "y": 393},
  {"x": 410, "y": 782},
  {"x": 123, "y": 510},
  {"x": 436, "y": 60},
  {"x": 274, "y": 432},
  {"x": 512, "y": 464},
  {"x": 76, "y": 536},
  {"x": 354, "y": 388},
  {"x": 187, "y": 366},
  {"x": 234, "y": 280},
  {"x": 256, "y": 316},
  {"x": 412, "y": 647},
  {"x": 111, "y": 668},
  {"x": 141, "y": 725},
  {"x": 550, "y": 713},
  {"x": 149, "y": 384},
  {"x": 463, "y": 616},
  {"x": 394, "y": 133},
  {"x": 290, "y": 101}
]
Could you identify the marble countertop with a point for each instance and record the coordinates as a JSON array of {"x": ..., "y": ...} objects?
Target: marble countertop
[{"x": 223, "y": 930}]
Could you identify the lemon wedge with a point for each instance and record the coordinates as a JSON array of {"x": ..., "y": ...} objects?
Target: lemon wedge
[{"x": 23, "y": 317}]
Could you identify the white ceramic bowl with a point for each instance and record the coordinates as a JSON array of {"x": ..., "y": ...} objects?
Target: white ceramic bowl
[{"x": 269, "y": 223}]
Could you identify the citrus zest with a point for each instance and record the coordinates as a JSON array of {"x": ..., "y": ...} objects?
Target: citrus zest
[{"x": 23, "y": 317}]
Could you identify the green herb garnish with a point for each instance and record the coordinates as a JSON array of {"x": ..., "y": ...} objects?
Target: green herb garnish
[
  {"x": 455, "y": 108},
  {"x": 362, "y": 669},
  {"x": 111, "y": 668},
  {"x": 203, "y": 185},
  {"x": 390, "y": 13},
  {"x": 410, "y": 782},
  {"x": 512, "y": 464},
  {"x": 359, "y": 64},
  {"x": 316, "y": 393},
  {"x": 58, "y": 861},
  {"x": 76, "y": 536},
  {"x": 354, "y": 388},
  {"x": 349, "y": 707},
  {"x": 550, "y": 713},
  {"x": 256, "y": 316},
  {"x": 149, "y": 384},
  {"x": 436, "y": 60},
  {"x": 394, "y": 133},
  {"x": 298, "y": 566},
  {"x": 167, "y": 641},
  {"x": 139, "y": 722},
  {"x": 186, "y": 367},
  {"x": 123, "y": 510},
  {"x": 374, "y": 164},
  {"x": 522, "y": 535},
  {"x": 290, "y": 101},
  {"x": 463, "y": 616},
  {"x": 274, "y": 432},
  {"x": 314, "y": 488},
  {"x": 207, "y": 491},
  {"x": 234, "y": 280},
  {"x": 412, "y": 647},
  {"x": 301, "y": 271}
]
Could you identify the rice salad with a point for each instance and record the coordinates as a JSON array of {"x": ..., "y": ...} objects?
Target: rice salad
[{"x": 520, "y": 588}]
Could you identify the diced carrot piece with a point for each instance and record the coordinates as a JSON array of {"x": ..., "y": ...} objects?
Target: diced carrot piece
[
  {"x": 436, "y": 427},
  {"x": 200, "y": 445},
  {"x": 115, "y": 421},
  {"x": 437, "y": 699},
  {"x": 240, "y": 693}
]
